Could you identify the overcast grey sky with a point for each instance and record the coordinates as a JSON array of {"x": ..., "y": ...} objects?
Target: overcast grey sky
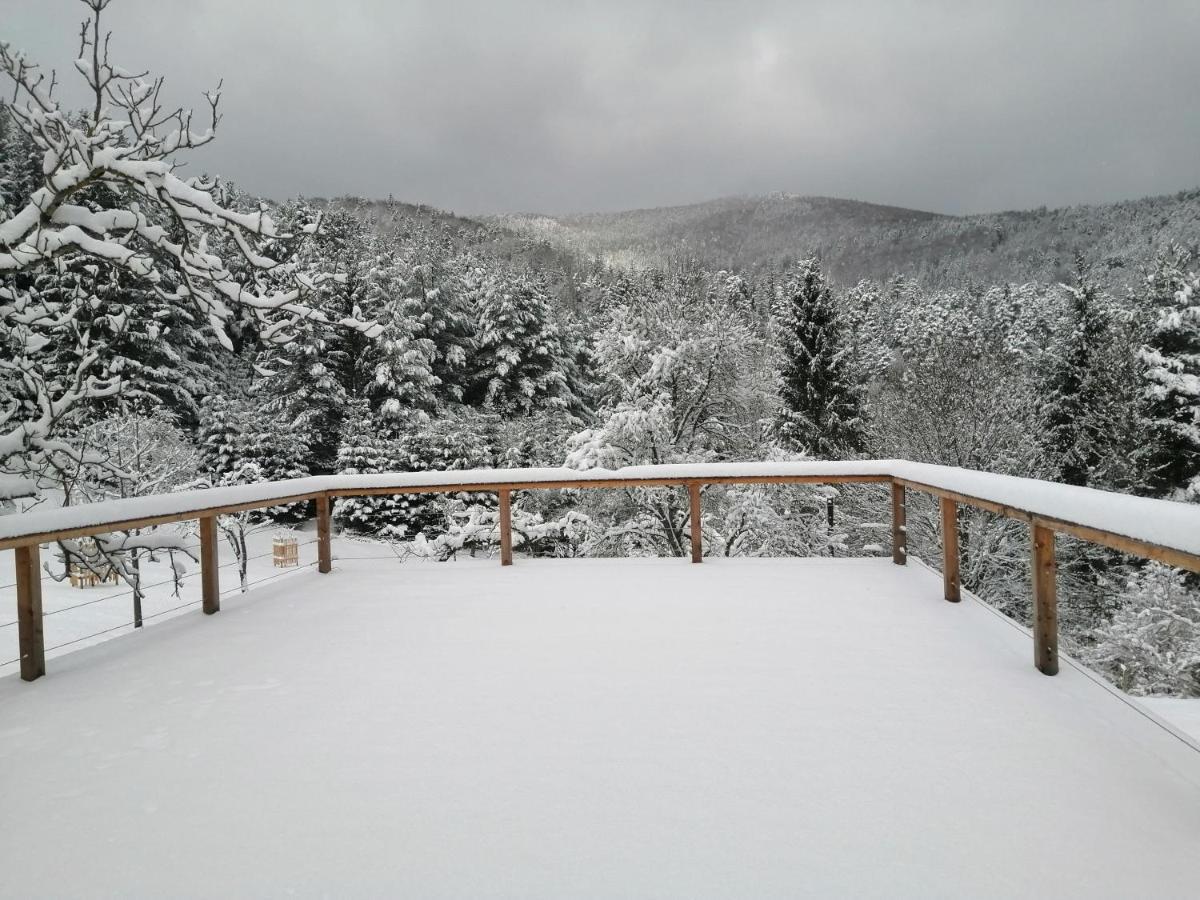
[{"x": 481, "y": 106}]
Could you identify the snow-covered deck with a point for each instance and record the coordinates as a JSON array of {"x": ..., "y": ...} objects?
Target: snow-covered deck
[{"x": 589, "y": 728}]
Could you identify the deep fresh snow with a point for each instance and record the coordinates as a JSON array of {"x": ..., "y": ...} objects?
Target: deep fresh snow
[
  {"x": 588, "y": 728},
  {"x": 78, "y": 617}
]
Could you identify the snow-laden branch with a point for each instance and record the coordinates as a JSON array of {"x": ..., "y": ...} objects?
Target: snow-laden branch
[{"x": 163, "y": 228}]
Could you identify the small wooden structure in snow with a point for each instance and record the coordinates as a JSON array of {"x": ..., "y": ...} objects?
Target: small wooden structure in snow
[
  {"x": 285, "y": 552},
  {"x": 83, "y": 577}
]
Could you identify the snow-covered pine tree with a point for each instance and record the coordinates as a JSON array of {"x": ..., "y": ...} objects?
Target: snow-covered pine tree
[
  {"x": 20, "y": 164},
  {"x": 306, "y": 382},
  {"x": 221, "y": 435},
  {"x": 443, "y": 284},
  {"x": 821, "y": 404},
  {"x": 364, "y": 450},
  {"x": 398, "y": 366},
  {"x": 238, "y": 436},
  {"x": 1171, "y": 400},
  {"x": 1078, "y": 392},
  {"x": 518, "y": 357}
]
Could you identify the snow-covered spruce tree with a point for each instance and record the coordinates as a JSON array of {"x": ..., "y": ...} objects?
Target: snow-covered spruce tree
[
  {"x": 821, "y": 405},
  {"x": 443, "y": 286},
  {"x": 399, "y": 362},
  {"x": 363, "y": 451},
  {"x": 519, "y": 352},
  {"x": 1082, "y": 390},
  {"x": 308, "y": 381},
  {"x": 371, "y": 445},
  {"x": 20, "y": 164},
  {"x": 242, "y": 443},
  {"x": 1152, "y": 644},
  {"x": 159, "y": 228},
  {"x": 1171, "y": 399},
  {"x": 237, "y": 435}
]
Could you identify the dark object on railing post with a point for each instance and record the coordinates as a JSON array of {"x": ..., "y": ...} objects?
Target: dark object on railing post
[
  {"x": 694, "y": 502},
  {"x": 950, "y": 549},
  {"x": 324, "y": 550},
  {"x": 1045, "y": 601},
  {"x": 210, "y": 584},
  {"x": 505, "y": 527},
  {"x": 29, "y": 612},
  {"x": 899, "y": 528}
]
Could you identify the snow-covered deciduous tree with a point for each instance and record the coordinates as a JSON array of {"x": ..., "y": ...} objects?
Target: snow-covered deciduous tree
[
  {"x": 144, "y": 453},
  {"x": 1152, "y": 643},
  {"x": 110, "y": 194},
  {"x": 821, "y": 403}
]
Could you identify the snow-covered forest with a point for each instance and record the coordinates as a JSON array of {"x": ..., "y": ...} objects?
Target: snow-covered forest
[{"x": 163, "y": 331}]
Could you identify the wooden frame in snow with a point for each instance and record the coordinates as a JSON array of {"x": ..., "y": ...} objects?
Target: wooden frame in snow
[{"x": 1154, "y": 529}]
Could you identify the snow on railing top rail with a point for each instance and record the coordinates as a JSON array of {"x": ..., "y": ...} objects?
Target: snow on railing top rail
[{"x": 1076, "y": 510}]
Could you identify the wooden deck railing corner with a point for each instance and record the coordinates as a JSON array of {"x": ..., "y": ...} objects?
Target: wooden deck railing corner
[{"x": 40, "y": 528}]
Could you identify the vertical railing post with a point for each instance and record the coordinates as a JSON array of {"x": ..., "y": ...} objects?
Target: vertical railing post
[
  {"x": 324, "y": 549},
  {"x": 505, "y": 526},
  {"x": 950, "y": 549},
  {"x": 210, "y": 582},
  {"x": 1045, "y": 601},
  {"x": 29, "y": 612},
  {"x": 695, "y": 520},
  {"x": 899, "y": 526}
]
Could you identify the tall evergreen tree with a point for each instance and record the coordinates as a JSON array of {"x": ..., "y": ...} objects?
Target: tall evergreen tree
[
  {"x": 1078, "y": 390},
  {"x": 519, "y": 356},
  {"x": 821, "y": 405}
]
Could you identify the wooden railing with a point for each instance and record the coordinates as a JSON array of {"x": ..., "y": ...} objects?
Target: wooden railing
[{"x": 1154, "y": 529}]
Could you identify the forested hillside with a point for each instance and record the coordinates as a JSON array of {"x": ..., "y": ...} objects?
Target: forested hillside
[
  {"x": 862, "y": 240},
  {"x": 161, "y": 332}
]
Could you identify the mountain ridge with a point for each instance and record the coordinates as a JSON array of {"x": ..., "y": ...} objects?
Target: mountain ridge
[{"x": 859, "y": 239}]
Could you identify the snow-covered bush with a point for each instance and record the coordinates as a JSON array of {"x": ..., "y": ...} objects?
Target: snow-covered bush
[
  {"x": 1152, "y": 644},
  {"x": 475, "y": 529}
]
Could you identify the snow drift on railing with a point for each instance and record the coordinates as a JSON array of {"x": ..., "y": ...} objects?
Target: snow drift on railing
[{"x": 1161, "y": 522}]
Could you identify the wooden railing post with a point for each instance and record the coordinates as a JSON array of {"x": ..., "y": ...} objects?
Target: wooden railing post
[
  {"x": 695, "y": 518},
  {"x": 324, "y": 550},
  {"x": 899, "y": 526},
  {"x": 505, "y": 527},
  {"x": 950, "y": 549},
  {"x": 29, "y": 612},
  {"x": 210, "y": 581},
  {"x": 1045, "y": 601}
]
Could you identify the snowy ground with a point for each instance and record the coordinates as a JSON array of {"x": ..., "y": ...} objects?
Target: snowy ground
[
  {"x": 1182, "y": 714},
  {"x": 78, "y": 617},
  {"x": 589, "y": 728}
]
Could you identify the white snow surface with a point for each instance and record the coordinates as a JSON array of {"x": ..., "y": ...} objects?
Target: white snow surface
[
  {"x": 588, "y": 728},
  {"x": 1181, "y": 712},
  {"x": 1163, "y": 522}
]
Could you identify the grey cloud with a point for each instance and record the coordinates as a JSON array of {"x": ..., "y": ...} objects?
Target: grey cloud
[{"x": 499, "y": 106}]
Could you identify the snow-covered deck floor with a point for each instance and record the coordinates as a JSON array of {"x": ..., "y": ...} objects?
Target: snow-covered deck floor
[{"x": 649, "y": 728}]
